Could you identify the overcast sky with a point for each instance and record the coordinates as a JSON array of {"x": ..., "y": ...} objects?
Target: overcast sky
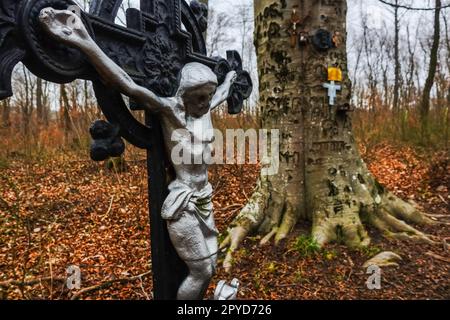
[
  {"x": 378, "y": 16},
  {"x": 377, "y": 13}
]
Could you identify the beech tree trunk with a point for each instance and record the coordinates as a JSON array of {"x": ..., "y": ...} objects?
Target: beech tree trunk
[{"x": 322, "y": 177}]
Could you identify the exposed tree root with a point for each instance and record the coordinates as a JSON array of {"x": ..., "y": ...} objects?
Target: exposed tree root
[
  {"x": 268, "y": 213},
  {"x": 337, "y": 218},
  {"x": 248, "y": 220},
  {"x": 384, "y": 259},
  {"x": 438, "y": 257}
]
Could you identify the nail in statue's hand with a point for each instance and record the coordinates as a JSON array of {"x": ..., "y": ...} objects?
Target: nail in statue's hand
[{"x": 65, "y": 25}]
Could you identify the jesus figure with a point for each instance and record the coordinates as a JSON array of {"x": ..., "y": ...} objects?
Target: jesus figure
[{"x": 188, "y": 208}]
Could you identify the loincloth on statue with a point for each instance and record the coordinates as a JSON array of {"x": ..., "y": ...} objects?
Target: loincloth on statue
[{"x": 184, "y": 200}]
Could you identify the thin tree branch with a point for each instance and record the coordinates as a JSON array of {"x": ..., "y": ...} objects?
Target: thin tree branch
[
  {"x": 107, "y": 284},
  {"x": 414, "y": 8}
]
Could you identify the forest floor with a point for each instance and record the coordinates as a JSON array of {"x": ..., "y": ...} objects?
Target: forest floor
[{"x": 69, "y": 211}]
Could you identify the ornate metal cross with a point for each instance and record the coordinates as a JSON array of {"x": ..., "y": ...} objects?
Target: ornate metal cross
[{"x": 158, "y": 41}]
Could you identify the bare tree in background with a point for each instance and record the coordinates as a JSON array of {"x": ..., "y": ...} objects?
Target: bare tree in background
[
  {"x": 219, "y": 23},
  {"x": 26, "y": 101},
  {"x": 40, "y": 108},
  {"x": 246, "y": 23},
  {"x": 425, "y": 103},
  {"x": 397, "y": 65},
  {"x": 397, "y": 72},
  {"x": 447, "y": 108},
  {"x": 6, "y": 113},
  {"x": 65, "y": 111}
]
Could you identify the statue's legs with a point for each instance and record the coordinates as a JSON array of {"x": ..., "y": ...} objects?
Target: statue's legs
[
  {"x": 197, "y": 245},
  {"x": 213, "y": 247}
]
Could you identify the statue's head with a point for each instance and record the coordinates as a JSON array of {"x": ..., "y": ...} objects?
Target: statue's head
[{"x": 198, "y": 83}]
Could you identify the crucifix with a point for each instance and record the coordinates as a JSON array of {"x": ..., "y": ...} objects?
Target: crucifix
[
  {"x": 295, "y": 30},
  {"x": 295, "y": 21},
  {"x": 333, "y": 88},
  {"x": 160, "y": 61},
  {"x": 334, "y": 74}
]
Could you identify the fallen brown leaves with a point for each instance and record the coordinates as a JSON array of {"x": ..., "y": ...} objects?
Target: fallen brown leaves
[
  {"x": 74, "y": 213},
  {"x": 70, "y": 211},
  {"x": 410, "y": 175}
]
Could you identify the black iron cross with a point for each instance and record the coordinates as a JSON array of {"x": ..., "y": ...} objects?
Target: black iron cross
[{"x": 158, "y": 41}]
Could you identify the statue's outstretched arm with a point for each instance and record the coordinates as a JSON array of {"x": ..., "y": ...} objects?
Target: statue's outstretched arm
[
  {"x": 223, "y": 91},
  {"x": 67, "y": 27}
]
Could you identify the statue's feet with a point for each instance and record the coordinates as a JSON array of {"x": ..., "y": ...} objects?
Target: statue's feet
[{"x": 64, "y": 25}]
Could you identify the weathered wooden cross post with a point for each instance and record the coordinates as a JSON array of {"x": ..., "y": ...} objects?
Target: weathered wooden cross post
[{"x": 158, "y": 41}]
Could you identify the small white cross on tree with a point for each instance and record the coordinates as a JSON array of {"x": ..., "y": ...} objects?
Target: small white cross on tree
[{"x": 332, "y": 90}]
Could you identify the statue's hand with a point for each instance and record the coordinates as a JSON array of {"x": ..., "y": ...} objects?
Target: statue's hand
[
  {"x": 231, "y": 77},
  {"x": 66, "y": 26}
]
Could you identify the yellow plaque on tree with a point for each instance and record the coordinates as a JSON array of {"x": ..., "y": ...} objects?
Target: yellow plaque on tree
[{"x": 334, "y": 74}]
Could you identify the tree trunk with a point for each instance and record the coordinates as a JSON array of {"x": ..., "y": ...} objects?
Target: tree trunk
[
  {"x": 39, "y": 101},
  {"x": 322, "y": 177},
  {"x": 26, "y": 104},
  {"x": 6, "y": 113},
  {"x": 447, "y": 113},
  {"x": 65, "y": 105},
  {"x": 410, "y": 91},
  {"x": 434, "y": 55},
  {"x": 397, "y": 59},
  {"x": 205, "y": 34}
]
